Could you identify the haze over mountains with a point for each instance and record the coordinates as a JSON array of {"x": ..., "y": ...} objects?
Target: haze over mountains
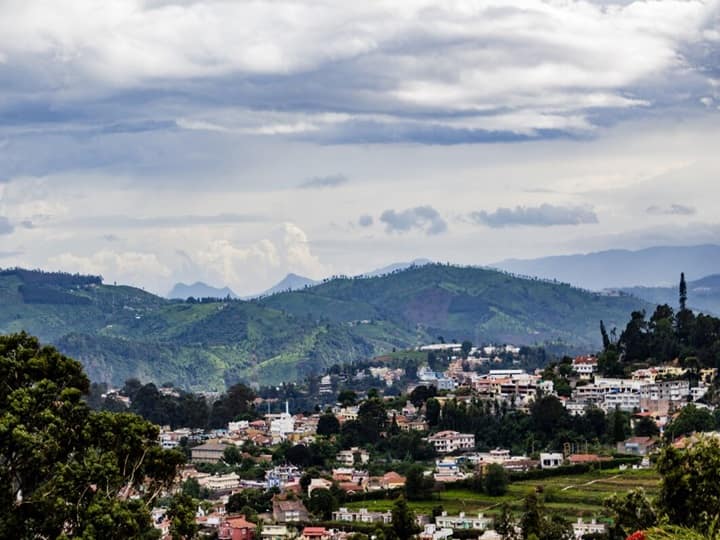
[
  {"x": 655, "y": 266},
  {"x": 120, "y": 332}
]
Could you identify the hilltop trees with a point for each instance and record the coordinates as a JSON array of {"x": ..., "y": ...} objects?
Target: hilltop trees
[{"x": 65, "y": 470}]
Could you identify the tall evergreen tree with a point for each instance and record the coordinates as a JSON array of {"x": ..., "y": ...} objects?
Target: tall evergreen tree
[{"x": 683, "y": 292}]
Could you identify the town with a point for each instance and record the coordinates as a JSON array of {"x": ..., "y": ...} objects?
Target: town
[{"x": 407, "y": 426}]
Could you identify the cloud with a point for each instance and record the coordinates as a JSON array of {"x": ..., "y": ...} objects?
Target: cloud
[
  {"x": 671, "y": 210},
  {"x": 366, "y": 220},
  {"x": 319, "y": 182},
  {"x": 375, "y": 71},
  {"x": 130, "y": 222},
  {"x": 130, "y": 267},
  {"x": 545, "y": 215},
  {"x": 5, "y": 226},
  {"x": 424, "y": 218}
]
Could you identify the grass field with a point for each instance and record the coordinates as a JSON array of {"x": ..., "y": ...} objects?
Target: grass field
[{"x": 569, "y": 496}]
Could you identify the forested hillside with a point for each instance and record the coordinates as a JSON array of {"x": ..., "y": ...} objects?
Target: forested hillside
[{"x": 120, "y": 331}]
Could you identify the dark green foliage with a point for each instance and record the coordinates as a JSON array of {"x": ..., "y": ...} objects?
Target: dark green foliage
[
  {"x": 182, "y": 517},
  {"x": 257, "y": 499},
  {"x": 631, "y": 512},
  {"x": 328, "y": 425},
  {"x": 418, "y": 487},
  {"x": 689, "y": 420},
  {"x": 322, "y": 503},
  {"x": 234, "y": 404},
  {"x": 421, "y": 394},
  {"x": 56, "y": 452},
  {"x": 505, "y": 524},
  {"x": 495, "y": 481},
  {"x": 403, "y": 520},
  {"x": 646, "y": 427}
]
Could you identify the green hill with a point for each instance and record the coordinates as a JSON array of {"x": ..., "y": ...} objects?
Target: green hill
[{"x": 120, "y": 332}]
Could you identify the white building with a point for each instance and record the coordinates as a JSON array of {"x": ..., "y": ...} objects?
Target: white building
[
  {"x": 446, "y": 442},
  {"x": 581, "y": 528},
  {"x": 281, "y": 425},
  {"x": 461, "y": 521},
  {"x": 551, "y": 460},
  {"x": 362, "y": 516}
]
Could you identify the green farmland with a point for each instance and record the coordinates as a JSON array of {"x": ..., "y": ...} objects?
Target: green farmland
[{"x": 569, "y": 496}]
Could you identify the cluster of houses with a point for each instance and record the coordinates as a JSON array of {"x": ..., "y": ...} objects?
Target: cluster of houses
[{"x": 657, "y": 392}]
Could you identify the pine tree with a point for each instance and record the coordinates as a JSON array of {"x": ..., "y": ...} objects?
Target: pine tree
[
  {"x": 683, "y": 292},
  {"x": 605, "y": 337}
]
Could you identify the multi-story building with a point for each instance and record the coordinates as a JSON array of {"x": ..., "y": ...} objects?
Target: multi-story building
[
  {"x": 461, "y": 521},
  {"x": 362, "y": 516},
  {"x": 446, "y": 442}
]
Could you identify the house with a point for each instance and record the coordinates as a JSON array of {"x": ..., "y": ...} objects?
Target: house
[
  {"x": 461, "y": 521},
  {"x": 348, "y": 457},
  {"x": 236, "y": 528},
  {"x": 220, "y": 482},
  {"x": 638, "y": 446},
  {"x": 275, "y": 532},
  {"x": 362, "y": 516},
  {"x": 433, "y": 532},
  {"x": 289, "y": 511},
  {"x": 578, "y": 459},
  {"x": 315, "y": 533},
  {"x": 584, "y": 366},
  {"x": 580, "y": 528},
  {"x": 550, "y": 460},
  {"x": 210, "y": 452},
  {"x": 446, "y": 442},
  {"x": 392, "y": 480},
  {"x": 448, "y": 470},
  {"x": 318, "y": 483}
]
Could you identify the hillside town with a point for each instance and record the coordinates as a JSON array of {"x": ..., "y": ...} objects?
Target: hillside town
[{"x": 292, "y": 474}]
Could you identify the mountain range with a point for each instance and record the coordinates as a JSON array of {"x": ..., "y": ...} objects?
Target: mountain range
[
  {"x": 656, "y": 266},
  {"x": 703, "y": 294},
  {"x": 120, "y": 332}
]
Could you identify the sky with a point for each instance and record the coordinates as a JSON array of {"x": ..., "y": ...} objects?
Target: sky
[{"x": 158, "y": 141}]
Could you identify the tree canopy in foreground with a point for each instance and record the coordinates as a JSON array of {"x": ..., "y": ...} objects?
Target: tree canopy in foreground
[{"x": 65, "y": 470}]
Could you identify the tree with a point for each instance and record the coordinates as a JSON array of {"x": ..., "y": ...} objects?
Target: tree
[
  {"x": 299, "y": 455},
  {"x": 531, "y": 522},
  {"x": 322, "y": 503},
  {"x": 605, "y": 337},
  {"x": 328, "y": 425},
  {"x": 496, "y": 480},
  {"x": 418, "y": 486},
  {"x": 421, "y": 394},
  {"x": 465, "y": 348},
  {"x": 182, "y": 517},
  {"x": 683, "y": 292},
  {"x": 232, "y": 455},
  {"x": 689, "y": 489},
  {"x": 646, "y": 427},
  {"x": 631, "y": 512},
  {"x": 347, "y": 398},
  {"x": 404, "y": 523},
  {"x": 689, "y": 420},
  {"x": 432, "y": 411},
  {"x": 505, "y": 524},
  {"x": 67, "y": 471}
]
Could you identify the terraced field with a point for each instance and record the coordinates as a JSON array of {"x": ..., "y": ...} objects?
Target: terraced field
[{"x": 569, "y": 496}]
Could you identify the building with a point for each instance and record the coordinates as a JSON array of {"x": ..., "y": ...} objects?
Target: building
[
  {"x": 448, "y": 470},
  {"x": 551, "y": 460},
  {"x": 362, "y": 516},
  {"x": 433, "y": 532},
  {"x": 275, "y": 532},
  {"x": 462, "y": 521},
  {"x": 638, "y": 446},
  {"x": 210, "y": 452},
  {"x": 220, "y": 482},
  {"x": 585, "y": 366},
  {"x": 315, "y": 533},
  {"x": 318, "y": 483},
  {"x": 446, "y": 442},
  {"x": 236, "y": 528},
  {"x": 348, "y": 457},
  {"x": 287, "y": 511},
  {"x": 581, "y": 528}
]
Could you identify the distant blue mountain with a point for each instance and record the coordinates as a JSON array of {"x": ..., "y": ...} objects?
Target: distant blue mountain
[
  {"x": 199, "y": 289},
  {"x": 703, "y": 294},
  {"x": 291, "y": 282},
  {"x": 651, "y": 267}
]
